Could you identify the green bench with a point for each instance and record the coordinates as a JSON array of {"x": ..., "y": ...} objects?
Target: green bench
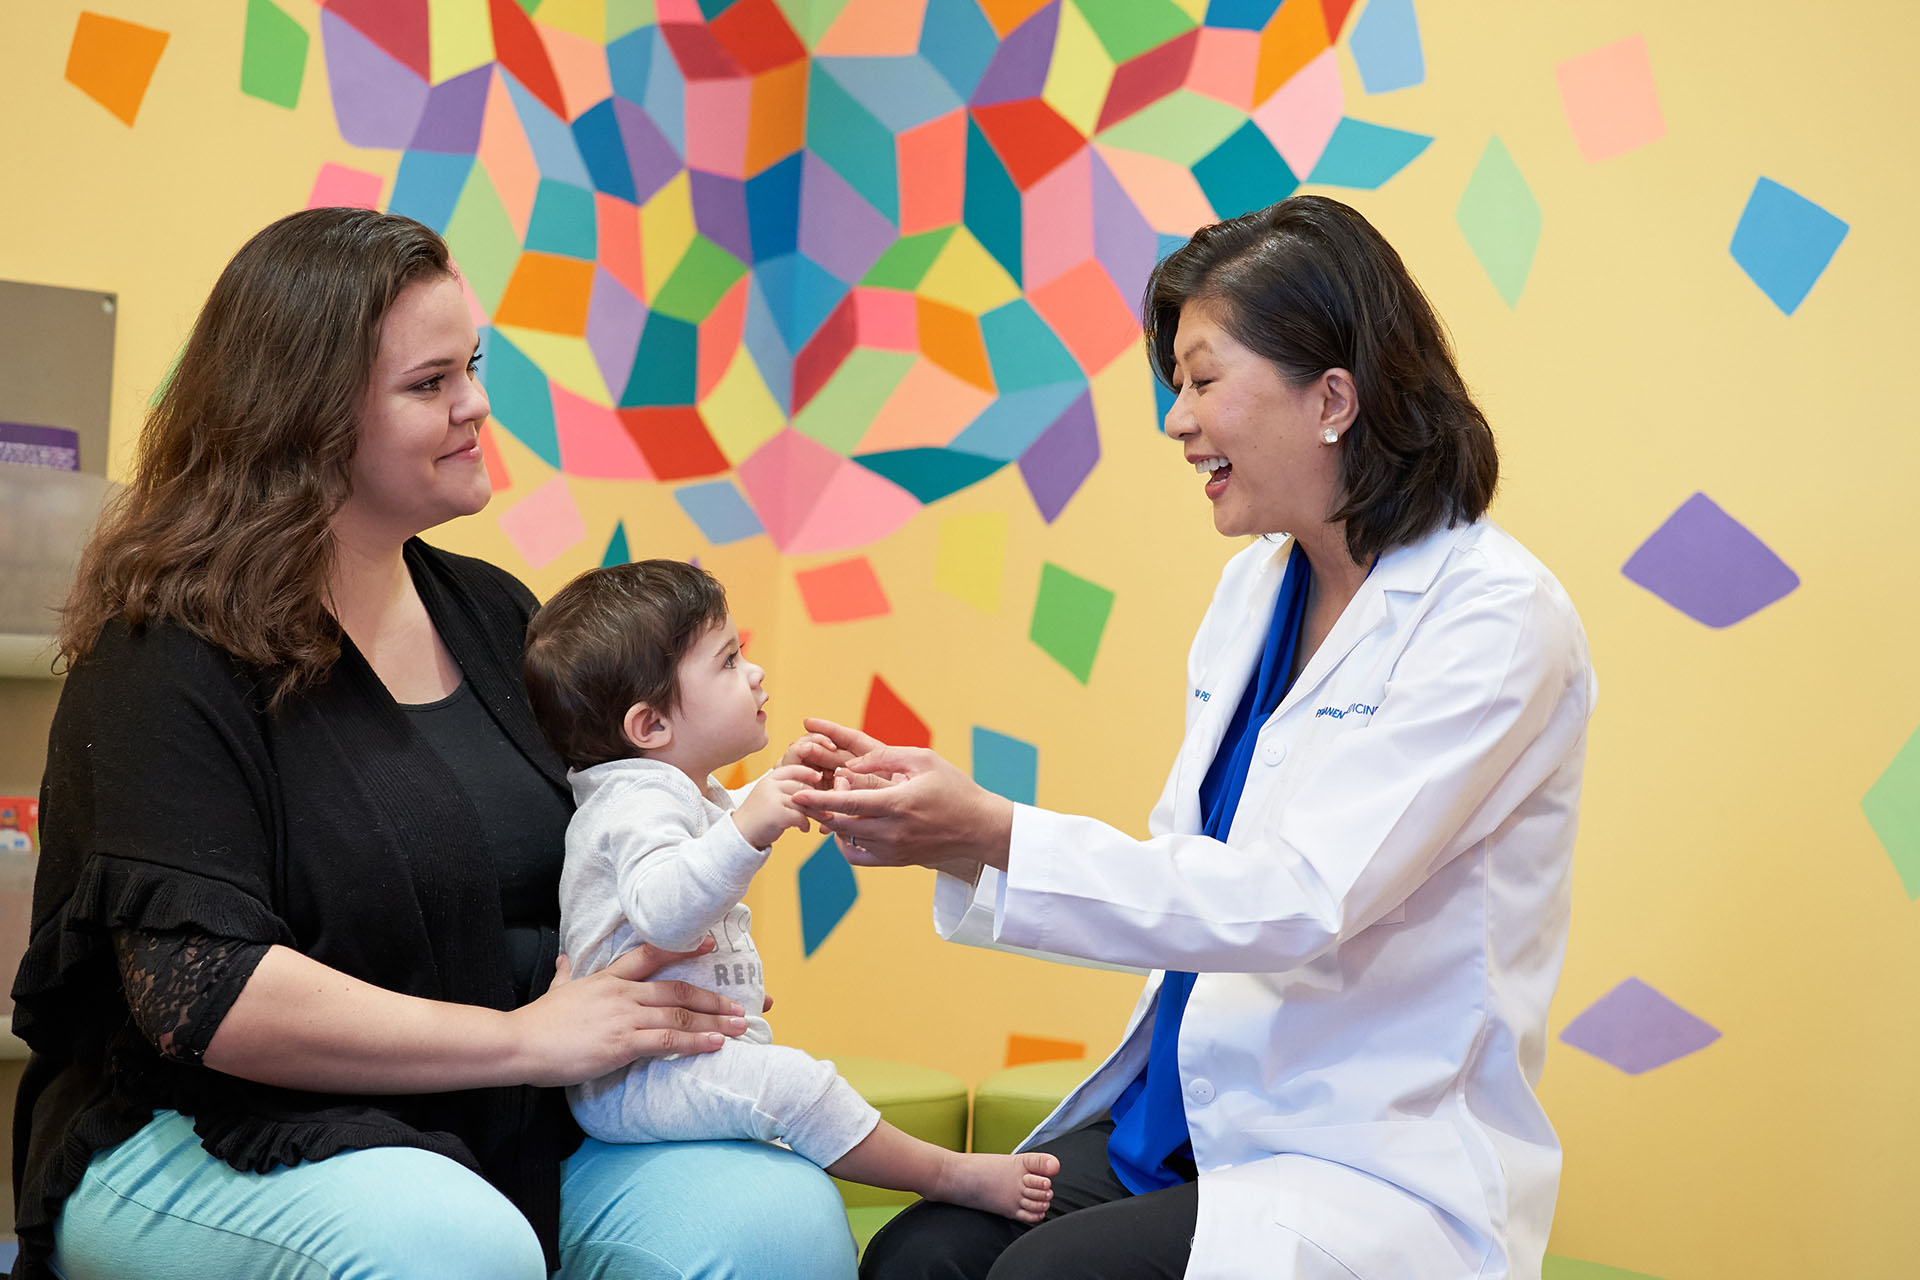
[{"x": 932, "y": 1106}]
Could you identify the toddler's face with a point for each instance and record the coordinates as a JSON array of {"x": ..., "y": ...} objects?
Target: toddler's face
[{"x": 719, "y": 718}]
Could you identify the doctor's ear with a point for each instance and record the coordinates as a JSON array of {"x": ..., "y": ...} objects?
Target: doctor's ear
[
  {"x": 645, "y": 728},
  {"x": 1339, "y": 399}
]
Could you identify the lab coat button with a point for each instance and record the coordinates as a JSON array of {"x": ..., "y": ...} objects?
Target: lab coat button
[
  {"x": 1273, "y": 752},
  {"x": 1201, "y": 1091}
]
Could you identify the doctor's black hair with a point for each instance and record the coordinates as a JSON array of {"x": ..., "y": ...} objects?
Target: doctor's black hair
[
  {"x": 1310, "y": 285},
  {"x": 608, "y": 639}
]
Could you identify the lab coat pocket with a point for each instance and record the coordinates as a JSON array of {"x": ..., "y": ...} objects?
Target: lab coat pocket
[{"x": 1366, "y": 1193}]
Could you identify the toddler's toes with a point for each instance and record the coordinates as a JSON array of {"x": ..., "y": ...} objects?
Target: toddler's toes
[{"x": 1040, "y": 1162}]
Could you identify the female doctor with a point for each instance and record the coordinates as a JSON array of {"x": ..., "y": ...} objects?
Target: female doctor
[{"x": 1355, "y": 892}]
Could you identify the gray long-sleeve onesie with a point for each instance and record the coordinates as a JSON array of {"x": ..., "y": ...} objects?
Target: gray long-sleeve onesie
[{"x": 653, "y": 858}]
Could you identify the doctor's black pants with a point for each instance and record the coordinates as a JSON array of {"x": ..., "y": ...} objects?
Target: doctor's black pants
[{"x": 1095, "y": 1229}]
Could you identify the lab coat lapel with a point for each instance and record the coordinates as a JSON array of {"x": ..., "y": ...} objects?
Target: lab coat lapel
[
  {"x": 1224, "y": 680},
  {"x": 1404, "y": 569},
  {"x": 1367, "y": 610}
]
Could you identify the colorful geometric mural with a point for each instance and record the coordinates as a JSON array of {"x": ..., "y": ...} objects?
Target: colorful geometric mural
[{"x": 819, "y": 264}]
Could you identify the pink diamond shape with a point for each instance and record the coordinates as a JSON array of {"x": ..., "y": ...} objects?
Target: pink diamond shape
[{"x": 1610, "y": 100}]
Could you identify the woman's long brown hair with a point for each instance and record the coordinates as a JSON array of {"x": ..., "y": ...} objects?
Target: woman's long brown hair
[{"x": 223, "y": 529}]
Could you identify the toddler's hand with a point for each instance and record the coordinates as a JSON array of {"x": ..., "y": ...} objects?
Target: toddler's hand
[
  {"x": 769, "y": 809},
  {"x": 818, "y": 752}
]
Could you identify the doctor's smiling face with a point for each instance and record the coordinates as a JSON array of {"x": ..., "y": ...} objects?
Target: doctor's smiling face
[{"x": 1253, "y": 435}]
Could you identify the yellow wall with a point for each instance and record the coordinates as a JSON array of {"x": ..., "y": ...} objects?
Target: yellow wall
[{"x": 1723, "y": 858}]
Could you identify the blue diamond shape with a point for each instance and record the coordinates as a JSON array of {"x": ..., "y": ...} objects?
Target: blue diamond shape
[
  {"x": 1006, "y": 766},
  {"x": 722, "y": 514},
  {"x": 1784, "y": 241},
  {"x": 827, "y": 892}
]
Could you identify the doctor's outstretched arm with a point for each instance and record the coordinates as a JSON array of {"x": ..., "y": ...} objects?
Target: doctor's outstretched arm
[{"x": 1454, "y": 749}]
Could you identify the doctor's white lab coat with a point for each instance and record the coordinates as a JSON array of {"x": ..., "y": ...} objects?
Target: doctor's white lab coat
[{"x": 1376, "y": 940}]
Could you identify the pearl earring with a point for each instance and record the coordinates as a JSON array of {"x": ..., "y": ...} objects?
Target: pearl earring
[{"x": 1330, "y": 436}]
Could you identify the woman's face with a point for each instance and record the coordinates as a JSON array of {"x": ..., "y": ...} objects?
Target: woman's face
[
  {"x": 417, "y": 461},
  {"x": 1254, "y": 437}
]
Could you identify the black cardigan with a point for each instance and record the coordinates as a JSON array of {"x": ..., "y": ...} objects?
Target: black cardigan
[{"x": 173, "y": 799}]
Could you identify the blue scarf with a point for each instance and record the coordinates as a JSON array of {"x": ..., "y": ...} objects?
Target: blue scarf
[{"x": 1150, "y": 1116}]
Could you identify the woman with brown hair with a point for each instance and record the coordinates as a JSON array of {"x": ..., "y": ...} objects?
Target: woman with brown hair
[
  {"x": 292, "y": 988},
  {"x": 1354, "y": 897}
]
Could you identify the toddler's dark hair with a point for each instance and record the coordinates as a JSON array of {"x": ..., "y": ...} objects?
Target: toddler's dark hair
[{"x": 608, "y": 639}]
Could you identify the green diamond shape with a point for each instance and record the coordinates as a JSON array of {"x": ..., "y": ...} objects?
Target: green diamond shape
[
  {"x": 1501, "y": 220},
  {"x": 273, "y": 57},
  {"x": 1068, "y": 619},
  {"x": 696, "y": 286},
  {"x": 1892, "y": 806},
  {"x": 907, "y": 260},
  {"x": 1574, "y": 1269},
  {"x": 483, "y": 240}
]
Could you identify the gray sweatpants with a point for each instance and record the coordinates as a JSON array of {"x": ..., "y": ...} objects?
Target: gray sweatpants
[{"x": 741, "y": 1090}]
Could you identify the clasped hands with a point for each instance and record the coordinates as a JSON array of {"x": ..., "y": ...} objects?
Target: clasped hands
[
  {"x": 899, "y": 806},
  {"x": 886, "y": 806}
]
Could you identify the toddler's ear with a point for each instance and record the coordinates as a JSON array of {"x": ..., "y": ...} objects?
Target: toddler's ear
[{"x": 646, "y": 729}]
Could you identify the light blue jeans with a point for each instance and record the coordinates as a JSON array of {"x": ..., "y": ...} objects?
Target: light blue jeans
[{"x": 160, "y": 1208}]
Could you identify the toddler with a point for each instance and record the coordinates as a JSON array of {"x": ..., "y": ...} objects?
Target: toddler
[{"x": 636, "y": 676}]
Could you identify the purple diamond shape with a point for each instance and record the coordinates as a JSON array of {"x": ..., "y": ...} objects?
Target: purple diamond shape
[
  {"x": 1636, "y": 1029},
  {"x": 1019, "y": 65},
  {"x": 455, "y": 111},
  {"x": 838, "y": 228},
  {"x": 1709, "y": 566},
  {"x": 615, "y": 319},
  {"x": 720, "y": 212},
  {"x": 650, "y": 157},
  {"x": 1126, "y": 246},
  {"x": 377, "y": 100},
  {"x": 1055, "y": 465}
]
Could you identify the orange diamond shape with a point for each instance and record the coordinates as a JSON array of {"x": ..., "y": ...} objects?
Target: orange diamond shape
[{"x": 112, "y": 62}]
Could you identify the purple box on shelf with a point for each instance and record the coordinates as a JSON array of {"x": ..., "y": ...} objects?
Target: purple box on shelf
[{"x": 26, "y": 445}]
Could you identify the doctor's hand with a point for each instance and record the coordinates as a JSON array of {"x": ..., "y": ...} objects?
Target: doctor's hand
[
  {"x": 905, "y": 806},
  {"x": 817, "y": 752},
  {"x": 828, "y": 746}
]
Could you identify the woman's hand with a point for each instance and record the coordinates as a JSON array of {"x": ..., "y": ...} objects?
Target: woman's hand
[
  {"x": 905, "y": 806},
  {"x": 583, "y": 1028},
  {"x": 300, "y": 1024}
]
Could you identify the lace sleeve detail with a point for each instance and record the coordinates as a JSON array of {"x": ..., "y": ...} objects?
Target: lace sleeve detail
[{"x": 180, "y": 984}]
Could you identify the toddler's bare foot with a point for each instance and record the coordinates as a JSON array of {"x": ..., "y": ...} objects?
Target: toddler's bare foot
[{"x": 1017, "y": 1186}]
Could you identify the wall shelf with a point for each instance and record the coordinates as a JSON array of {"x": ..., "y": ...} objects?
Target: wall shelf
[
  {"x": 26, "y": 657},
  {"x": 45, "y": 518}
]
